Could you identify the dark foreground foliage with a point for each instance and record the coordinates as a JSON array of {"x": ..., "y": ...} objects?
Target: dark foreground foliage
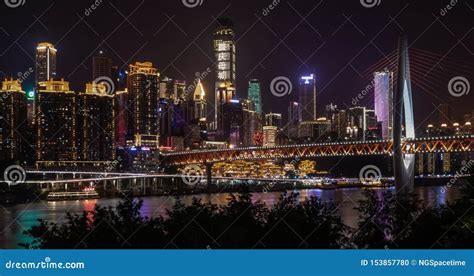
[{"x": 386, "y": 220}]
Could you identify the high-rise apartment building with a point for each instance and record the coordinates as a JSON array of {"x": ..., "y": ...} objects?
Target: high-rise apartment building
[
  {"x": 56, "y": 135},
  {"x": 12, "y": 120},
  {"x": 96, "y": 122},
  {"x": 143, "y": 124}
]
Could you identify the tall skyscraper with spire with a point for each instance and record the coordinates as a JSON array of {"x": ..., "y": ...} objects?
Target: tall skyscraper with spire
[
  {"x": 200, "y": 105},
  {"x": 224, "y": 50},
  {"x": 45, "y": 62}
]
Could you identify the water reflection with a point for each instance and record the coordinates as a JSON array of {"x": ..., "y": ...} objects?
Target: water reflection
[{"x": 14, "y": 220}]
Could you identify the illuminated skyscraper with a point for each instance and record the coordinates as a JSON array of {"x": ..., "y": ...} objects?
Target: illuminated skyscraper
[
  {"x": 224, "y": 96},
  {"x": 101, "y": 66},
  {"x": 357, "y": 121},
  {"x": 12, "y": 120},
  {"x": 96, "y": 123},
  {"x": 254, "y": 94},
  {"x": 30, "y": 108},
  {"x": 56, "y": 122},
  {"x": 307, "y": 98},
  {"x": 383, "y": 97},
  {"x": 291, "y": 129},
  {"x": 233, "y": 122},
  {"x": 200, "y": 105},
  {"x": 143, "y": 125},
  {"x": 179, "y": 91},
  {"x": 224, "y": 50},
  {"x": 45, "y": 62},
  {"x": 121, "y": 117},
  {"x": 249, "y": 122},
  {"x": 273, "y": 119}
]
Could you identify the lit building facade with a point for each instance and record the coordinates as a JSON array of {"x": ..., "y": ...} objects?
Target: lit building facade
[
  {"x": 273, "y": 119},
  {"x": 249, "y": 122},
  {"x": 269, "y": 136},
  {"x": 199, "y": 101},
  {"x": 224, "y": 96},
  {"x": 143, "y": 93},
  {"x": 294, "y": 120},
  {"x": 45, "y": 62},
  {"x": 56, "y": 137},
  {"x": 224, "y": 51},
  {"x": 255, "y": 94},
  {"x": 96, "y": 122},
  {"x": 357, "y": 123},
  {"x": 383, "y": 102},
  {"x": 12, "y": 120},
  {"x": 233, "y": 122},
  {"x": 101, "y": 66},
  {"x": 307, "y": 98},
  {"x": 121, "y": 117}
]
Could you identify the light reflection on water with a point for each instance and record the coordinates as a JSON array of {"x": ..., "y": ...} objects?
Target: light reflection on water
[{"x": 14, "y": 220}]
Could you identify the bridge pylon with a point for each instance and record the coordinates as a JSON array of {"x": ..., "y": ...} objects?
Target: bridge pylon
[{"x": 403, "y": 163}]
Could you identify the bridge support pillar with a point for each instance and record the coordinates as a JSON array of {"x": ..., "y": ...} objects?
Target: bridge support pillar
[
  {"x": 403, "y": 164},
  {"x": 208, "y": 176}
]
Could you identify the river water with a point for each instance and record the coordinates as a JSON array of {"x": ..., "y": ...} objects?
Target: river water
[{"x": 15, "y": 219}]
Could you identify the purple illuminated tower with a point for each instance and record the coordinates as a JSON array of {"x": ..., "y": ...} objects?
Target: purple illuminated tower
[{"x": 383, "y": 96}]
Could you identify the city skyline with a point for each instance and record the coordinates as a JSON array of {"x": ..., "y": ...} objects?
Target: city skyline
[
  {"x": 326, "y": 86},
  {"x": 209, "y": 124}
]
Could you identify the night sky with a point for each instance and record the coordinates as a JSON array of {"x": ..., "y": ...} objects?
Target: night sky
[{"x": 337, "y": 40}]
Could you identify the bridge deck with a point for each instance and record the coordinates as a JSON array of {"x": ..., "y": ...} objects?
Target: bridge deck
[{"x": 354, "y": 148}]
